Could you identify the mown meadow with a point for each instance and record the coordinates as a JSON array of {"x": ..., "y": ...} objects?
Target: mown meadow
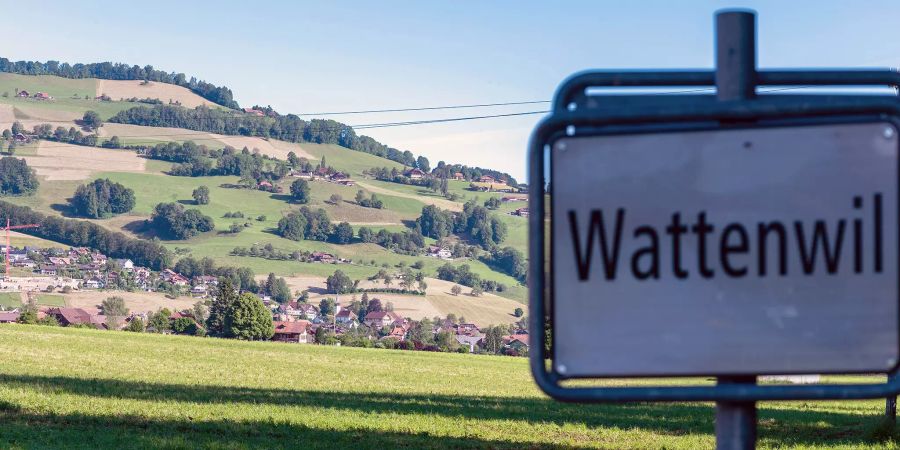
[{"x": 78, "y": 388}]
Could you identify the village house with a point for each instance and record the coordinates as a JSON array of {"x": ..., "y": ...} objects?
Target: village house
[
  {"x": 125, "y": 264},
  {"x": 414, "y": 174},
  {"x": 60, "y": 261},
  {"x": 294, "y": 332},
  {"x": 24, "y": 94},
  {"x": 398, "y": 332},
  {"x": 513, "y": 199},
  {"x": 470, "y": 341},
  {"x": 255, "y": 112},
  {"x": 467, "y": 328},
  {"x": 43, "y": 96},
  {"x": 439, "y": 252},
  {"x": 50, "y": 270},
  {"x": 521, "y": 212},
  {"x": 517, "y": 342},
  {"x": 9, "y": 316},
  {"x": 206, "y": 280},
  {"x": 345, "y": 316},
  {"x": 171, "y": 276},
  {"x": 142, "y": 276},
  {"x": 92, "y": 283},
  {"x": 199, "y": 291},
  {"x": 76, "y": 316},
  {"x": 458, "y": 176},
  {"x": 323, "y": 257},
  {"x": 308, "y": 311},
  {"x": 380, "y": 319}
]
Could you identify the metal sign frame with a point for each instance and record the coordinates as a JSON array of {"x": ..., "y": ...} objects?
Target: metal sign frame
[{"x": 575, "y": 113}]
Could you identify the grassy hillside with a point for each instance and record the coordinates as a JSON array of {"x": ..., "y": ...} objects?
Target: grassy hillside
[
  {"x": 61, "y": 168},
  {"x": 96, "y": 389}
]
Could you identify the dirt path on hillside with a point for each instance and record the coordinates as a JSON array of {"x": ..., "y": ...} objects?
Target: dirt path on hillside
[{"x": 439, "y": 202}]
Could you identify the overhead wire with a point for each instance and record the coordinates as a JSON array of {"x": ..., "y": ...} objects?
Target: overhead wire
[{"x": 366, "y": 126}]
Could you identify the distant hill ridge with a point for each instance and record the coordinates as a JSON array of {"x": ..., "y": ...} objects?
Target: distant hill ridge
[
  {"x": 119, "y": 71},
  {"x": 288, "y": 128},
  {"x": 270, "y": 124}
]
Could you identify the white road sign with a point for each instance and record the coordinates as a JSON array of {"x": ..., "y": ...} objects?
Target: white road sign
[{"x": 725, "y": 252}]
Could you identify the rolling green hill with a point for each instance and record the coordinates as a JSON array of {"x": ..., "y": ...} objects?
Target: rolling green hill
[
  {"x": 62, "y": 168},
  {"x": 77, "y": 388}
]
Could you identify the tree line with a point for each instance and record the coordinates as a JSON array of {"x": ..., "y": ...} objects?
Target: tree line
[
  {"x": 80, "y": 233},
  {"x": 119, "y": 71},
  {"x": 474, "y": 220},
  {"x": 463, "y": 275},
  {"x": 290, "y": 128},
  {"x": 16, "y": 178},
  {"x": 241, "y": 278}
]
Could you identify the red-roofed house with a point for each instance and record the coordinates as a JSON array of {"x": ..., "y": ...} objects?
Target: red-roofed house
[
  {"x": 398, "y": 333},
  {"x": 296, "y": 332},
  {"x": 9, "y": 317},
  {"x": 345, "y": 316},
  {"x": 517, "y": 342},
  {"x": 70, "y": 316}
]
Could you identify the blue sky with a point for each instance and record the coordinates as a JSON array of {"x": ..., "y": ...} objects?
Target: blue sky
[{"x": 351, "y": 55}]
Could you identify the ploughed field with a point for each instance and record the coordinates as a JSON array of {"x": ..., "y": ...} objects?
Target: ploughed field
[{"x": 78, "y": 388}]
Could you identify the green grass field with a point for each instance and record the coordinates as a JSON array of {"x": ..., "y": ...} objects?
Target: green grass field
[
  {"x": 152, "y": 188},
  {"x": 58, "y": 87},
  {"x": 51, "y": 300},
  {"x": 78, "y": 388},
  {"x": 10, "y": 300}
]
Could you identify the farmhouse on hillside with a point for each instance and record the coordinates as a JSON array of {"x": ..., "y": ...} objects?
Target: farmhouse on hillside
[
  {"x": 439, "y": 252},
  {"x": 414, "y": 174}
]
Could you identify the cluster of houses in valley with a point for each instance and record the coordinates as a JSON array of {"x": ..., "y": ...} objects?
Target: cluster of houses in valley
[
  {"x": 36, "y": 95},
  {"x": 82, "y": 268},
  {"x": 80, "y": 317},
  {"x": 298, "y": 322}
]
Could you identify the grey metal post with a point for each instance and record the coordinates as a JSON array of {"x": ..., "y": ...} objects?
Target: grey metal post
[
  {"x": 890, "y": 404},
  {"x": 736, "y": 80}
]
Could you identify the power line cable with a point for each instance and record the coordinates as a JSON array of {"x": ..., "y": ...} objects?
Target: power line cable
[
  {"x": 426, "y": 108},
  {"x": 342, "y": 128}
]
